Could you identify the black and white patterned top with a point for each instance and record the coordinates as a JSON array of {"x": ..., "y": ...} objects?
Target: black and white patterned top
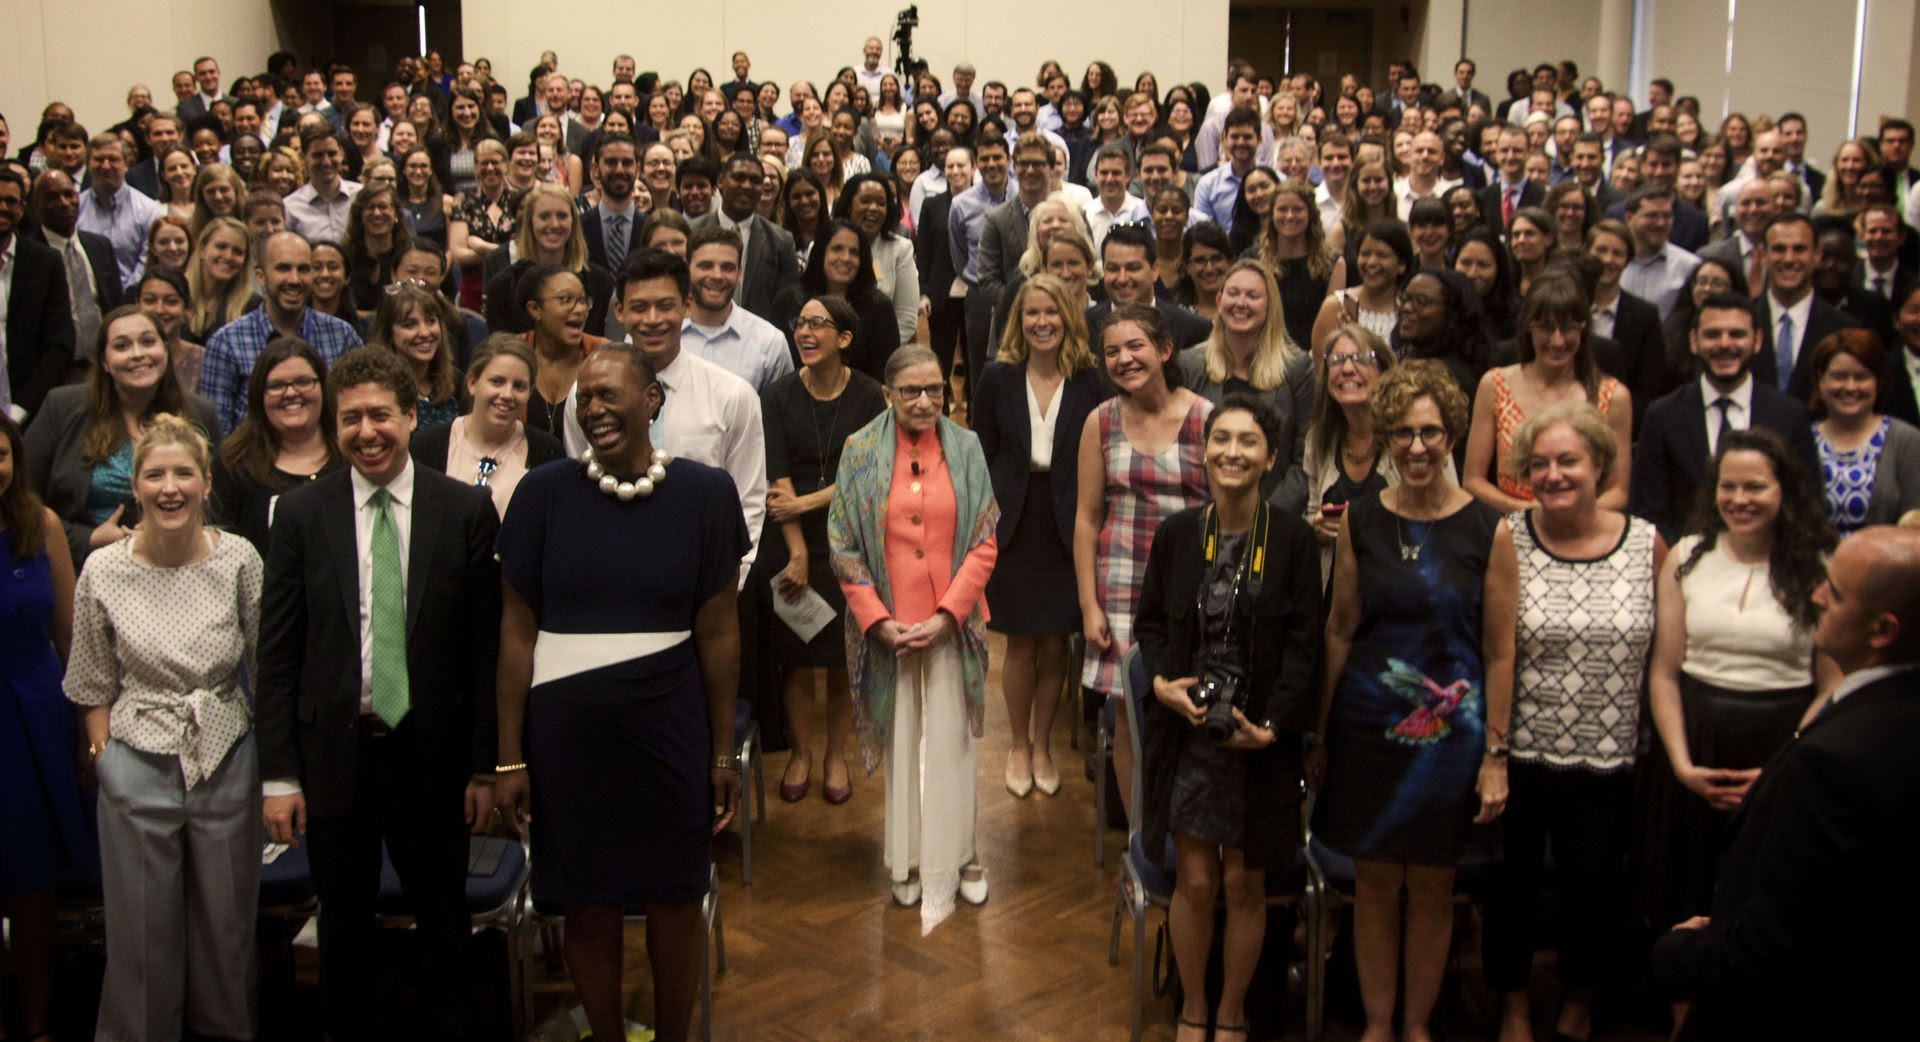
[
  {"x": 169, "y": 649},
  {"x": 1584, "y": 631}
]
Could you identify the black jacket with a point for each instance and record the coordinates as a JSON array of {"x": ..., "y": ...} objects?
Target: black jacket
[
  {"x": 930, "y": 252},
  {"x": 1670, "y": 454},
  {"x": 1284, "y": 643},
  {"x": 1822, "y": 319},
  {"x": 1816, "y": 876},
  {"x": 308, "y": 688},
  {"x": 39, "y": 325},
  {"x": 1006, "y": 436}
]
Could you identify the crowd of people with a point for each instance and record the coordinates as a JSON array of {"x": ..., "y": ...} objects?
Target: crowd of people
[{"x": 1520, "y": 478}]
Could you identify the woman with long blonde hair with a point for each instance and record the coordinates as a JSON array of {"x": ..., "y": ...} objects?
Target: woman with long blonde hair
[{"x": 217, "y": 285}]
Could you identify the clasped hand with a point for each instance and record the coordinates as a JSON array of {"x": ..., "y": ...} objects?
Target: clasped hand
[
  {"x": 1722, "y": 789},
  {"x": 905, "y": 640},
  {"x": 787, "y": 506}
]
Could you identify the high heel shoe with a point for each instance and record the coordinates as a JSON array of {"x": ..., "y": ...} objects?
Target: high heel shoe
[
  {"x": 1048, "y": 783},
  {"x": 794, "y": 793},
  {"x": 1019, "y": 782},
  {"x": 842, "y": 794}
]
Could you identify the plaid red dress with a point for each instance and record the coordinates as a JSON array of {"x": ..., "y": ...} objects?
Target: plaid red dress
[{"x": 1142, "y": 490}]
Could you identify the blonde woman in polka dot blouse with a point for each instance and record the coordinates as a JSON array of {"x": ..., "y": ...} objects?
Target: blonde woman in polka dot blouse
[{"x": 164, "y": 630}]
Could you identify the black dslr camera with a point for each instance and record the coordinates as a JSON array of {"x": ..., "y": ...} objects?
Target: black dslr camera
[{"x": 1221, "y": 690}]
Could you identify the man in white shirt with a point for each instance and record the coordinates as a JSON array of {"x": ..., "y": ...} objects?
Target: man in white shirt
[
  {"x": 717, "y": 330},
  {"x": 1752, "y": 209},
  {"x": 1336, "y": 163},
  {"x": 1112, "y": 171},
  {"x": 1881, "y": 236},
  {"x": 318, "y": 209},
  {"x": 710, "y": 415},
  {"x": 869, "y": 71},
  {"x": 1765, "y": 161},
  {"x": 1423, "y": 174}
]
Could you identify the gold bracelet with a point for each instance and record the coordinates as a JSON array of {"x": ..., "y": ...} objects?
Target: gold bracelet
[
  {"x": 94, "y": 751},
  {"x": 508, "y": 768},
  {"x": 727, "y": 762}
]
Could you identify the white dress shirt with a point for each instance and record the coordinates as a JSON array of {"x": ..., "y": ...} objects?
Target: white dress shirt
[
  {"x": 1100, "y": 221},
  {"x": 1799, "y": 313},
  {"x": 710, "y": 416},
  {"x": 1330, "y": 206},
  {"x": 1739, "y": 414},
  {"x": 401, "y": 506}
]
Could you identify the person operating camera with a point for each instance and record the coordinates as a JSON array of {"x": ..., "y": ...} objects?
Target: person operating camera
[{"x": 1228, "y": 626}]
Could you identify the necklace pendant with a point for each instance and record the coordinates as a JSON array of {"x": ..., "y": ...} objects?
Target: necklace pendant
[{"x": 1409, "y": 553}]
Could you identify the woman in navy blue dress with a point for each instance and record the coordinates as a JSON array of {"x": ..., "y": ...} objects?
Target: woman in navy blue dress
[
  {"x": 618, "y": 669},
  {"x": 43, "y": 830}
]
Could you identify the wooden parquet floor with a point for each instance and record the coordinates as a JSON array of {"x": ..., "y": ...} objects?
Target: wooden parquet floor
[{"x": 818, "y": 952}]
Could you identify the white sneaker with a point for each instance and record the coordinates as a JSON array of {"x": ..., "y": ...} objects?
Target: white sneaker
[
  {"x": 973, "y": 891},
  {"x": 906, "y": 892}
]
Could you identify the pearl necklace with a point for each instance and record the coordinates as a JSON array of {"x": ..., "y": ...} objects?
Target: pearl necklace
[{"x": 624, "y": 491}]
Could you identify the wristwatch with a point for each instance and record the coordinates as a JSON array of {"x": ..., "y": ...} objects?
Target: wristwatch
[
  {"x": 1497, "y": 752},
  {"x": 727, "y": 762}
]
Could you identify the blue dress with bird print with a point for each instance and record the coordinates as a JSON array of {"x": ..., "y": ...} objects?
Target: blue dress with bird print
[{"x": 1405, "y": 736}]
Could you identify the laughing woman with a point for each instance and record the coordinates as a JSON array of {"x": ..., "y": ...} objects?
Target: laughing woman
[{"x": 285, "y": 440}]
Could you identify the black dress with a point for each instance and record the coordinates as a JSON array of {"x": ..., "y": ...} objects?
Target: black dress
[
  {"x": 618, "y": 753},
  {"x": 1300, "y": 298},
  {"x": 804, "y": 439},
  {"x": 1209, "y": 783}
]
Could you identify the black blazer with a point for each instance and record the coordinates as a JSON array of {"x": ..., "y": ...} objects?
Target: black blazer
[
  {"x": 1670, "y": 454},
  {"x": 1822, "y": 319},
  {"x": 429, "y": 447},
  {"x": 1643, "y": 351},
  {"x": 1816, "y": 876},
  {"x": 308, "y": 690},
  {"x": 770, "y": 272},
  {"x": 930, "y": 252},
  {"x": 56, "y": 470},
  {"x": 1870, "y": 309},
  {"x": 1006, "y": 436},
  {"x": 1284, "y": 643},
  {"x": 1186, "y": 328},
  {"x": 1896, "y": 388},
  {"x": 1531, "y": 194},
  {"x": 106, "y": 277},
  {"x": 1689, "y": 230},
  {"x": 39, "y": 325}
]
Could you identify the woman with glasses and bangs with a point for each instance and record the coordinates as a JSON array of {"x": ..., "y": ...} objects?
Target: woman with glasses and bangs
[{"x": 285, "y": 440}]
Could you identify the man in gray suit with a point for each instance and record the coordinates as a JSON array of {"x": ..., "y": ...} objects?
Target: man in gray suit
[
  {"x": 1003, "y": 237},
  {"x": 770, "y": 271}
]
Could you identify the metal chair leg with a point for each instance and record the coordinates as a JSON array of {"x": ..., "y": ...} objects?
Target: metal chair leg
[
  {"x": 1100, "y": 795},
  {"x": 1139, "y": 961},
  {"x": 1113, "y": 936}
]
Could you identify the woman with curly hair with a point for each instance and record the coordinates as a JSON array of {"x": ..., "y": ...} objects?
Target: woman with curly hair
[{"x": 1734, "y": 671}]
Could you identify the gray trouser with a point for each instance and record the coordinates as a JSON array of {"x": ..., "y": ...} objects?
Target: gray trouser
[{"x": 180, "y": 871}]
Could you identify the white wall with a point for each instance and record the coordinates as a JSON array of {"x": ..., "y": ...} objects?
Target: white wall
[
  {"x": 1503, "y": 35},
  {"x": 87, "y": 52},
  {"x": 1005, "y": 39}
]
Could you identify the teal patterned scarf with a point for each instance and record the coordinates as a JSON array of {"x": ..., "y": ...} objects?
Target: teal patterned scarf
[{"x": 856, "y": 531}]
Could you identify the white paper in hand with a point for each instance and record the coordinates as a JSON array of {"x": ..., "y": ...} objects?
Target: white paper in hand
[{"x": 806, "y": 616}]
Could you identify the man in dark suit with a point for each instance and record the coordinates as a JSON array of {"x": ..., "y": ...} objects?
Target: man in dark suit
[
  {"x": 379, "y": 632},
  {"x": 206, "y": 82},
  {"x": 1792, "y": 128},
  {"x": 1743, "y": 251},
  {"x": 1791, "y": 319},
  {"x": 38, "y": 344},
  {"x": 946, "y": 320},
  {"x": 1463, "y": 92},
  {"x": 1512, "y": 189},
  {"x": 163, "y": 132},
  {"x": 1682, "y": 429},
  {"x": 1836, "y": 270},
  {"x": 770, "y": 271},
  {"x": 612, "y": 226},
  {"x": 1659, "y": 168},
  {"x": 1127, "y": 257},
  {"x": 1816, "y": 877},
  {"x": 93, "y": 279},
  {"x": 1883, "y": 235}
]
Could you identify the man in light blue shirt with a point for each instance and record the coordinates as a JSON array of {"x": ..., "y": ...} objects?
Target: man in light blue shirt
[
  {"x": 1023, "y": 109},
  {"x": 730, "y": 337},
  {"x": 1659, "y": 270},
  {"x": 970, "y": 207},
  {"x": 112, "y": 208},
  {"x": 1219, "y": 188}
]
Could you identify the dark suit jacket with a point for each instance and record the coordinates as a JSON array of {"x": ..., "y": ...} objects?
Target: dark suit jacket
[
  {"x": 1006, "y": 436},
  {"x": 524, "y": 110},
  {"x": 1467, "y": 98},
  {"x": 145, "y": 177},
  {"x": 56, "y": 470},
  {"x": 770, "y": 272},
  {"x": 429, "y": 448},
  {"x": 1822, "y": 319},
  {"x": 1636, "y": 329},
  {"x": 1870, "y": 309},
  {"x": 39, "y": 324},
  {"x": 1186, "y": 328},
  {"x": 1816, "y": 876},
  {"x": 593, "y": 229},
  {"x": 308, "y": 689},
  {"x": 1896, "y": 389},
  {"x": 1670, "y": 454},
  {"x": 1903, "y": 279},
  {"x": 106, "y": 275},
  {"x": 194, "y": 107},
  {"x": 1531, "y": 194},
  {"x": 1727, "y": 252},
  {"x": 1690, "y": 226},
  {"x": 930, "y": 252}
]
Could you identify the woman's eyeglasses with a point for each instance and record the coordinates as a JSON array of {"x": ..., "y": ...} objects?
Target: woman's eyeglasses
[
  {"x": 936, "y": 392},
  {"x": 1432, "y": 437},
  {"x": 813, "y": 322}
]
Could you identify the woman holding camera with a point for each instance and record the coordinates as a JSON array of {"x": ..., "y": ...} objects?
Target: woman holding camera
[{"x": 1227, "y": 624}]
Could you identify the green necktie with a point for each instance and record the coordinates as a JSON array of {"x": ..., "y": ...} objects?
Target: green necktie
[{"x": 390, "y": 698}]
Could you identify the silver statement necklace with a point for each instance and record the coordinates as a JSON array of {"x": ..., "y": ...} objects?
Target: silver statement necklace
[{"x": 1410, "y": 553}]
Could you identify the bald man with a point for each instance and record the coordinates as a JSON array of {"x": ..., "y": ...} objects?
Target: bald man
[{"x": 1817, "y": 878}]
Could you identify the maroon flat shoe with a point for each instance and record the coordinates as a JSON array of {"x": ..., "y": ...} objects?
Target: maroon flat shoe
[
  {"x": 795, "y": 793},
  {"x": 836, "y": 796}
]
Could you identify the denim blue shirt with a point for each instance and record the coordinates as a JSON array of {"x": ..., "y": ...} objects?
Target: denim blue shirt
[
  {"x": 1214, "y": 196},
  {"x": 964, "y": 221},
  {"x": 124, "y": 220},
  {"x": 231, "y": 352}
]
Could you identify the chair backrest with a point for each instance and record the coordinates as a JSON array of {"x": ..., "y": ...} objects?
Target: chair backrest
[{"x": 1136, "y": 686}]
